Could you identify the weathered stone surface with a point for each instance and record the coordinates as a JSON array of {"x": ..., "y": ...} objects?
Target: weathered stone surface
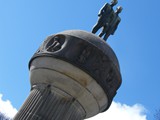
[
  {"x": 87, "y": 52},
  {"x": 74, "y": 75}
]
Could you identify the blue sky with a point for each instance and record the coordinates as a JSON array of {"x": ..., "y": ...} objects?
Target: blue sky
[{"x": 25, "y": 24}]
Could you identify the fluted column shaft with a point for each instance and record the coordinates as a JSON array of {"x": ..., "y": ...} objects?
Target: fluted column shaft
[{"x": 46, "y": 102}]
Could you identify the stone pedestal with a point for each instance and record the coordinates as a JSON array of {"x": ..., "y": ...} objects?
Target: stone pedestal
[{"x": 74, "y": 75}]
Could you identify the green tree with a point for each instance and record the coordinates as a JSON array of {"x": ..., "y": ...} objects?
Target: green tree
[
  {"x": 3, "y": 117},
  {"x": 157, "y": 115}
]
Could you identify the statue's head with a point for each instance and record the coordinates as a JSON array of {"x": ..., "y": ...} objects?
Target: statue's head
[
  {"x": 114, "y": 2},
  {"x": 119, "y": 9}
]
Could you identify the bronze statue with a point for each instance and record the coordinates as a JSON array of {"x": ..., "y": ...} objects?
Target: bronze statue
[
  {"x": 110, "y": 28},
  {"x": 108, "y": 20},
  {"x": 104, "y": 15}
]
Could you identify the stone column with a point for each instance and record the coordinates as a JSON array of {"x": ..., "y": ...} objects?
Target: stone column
[{"x": 46, "y": 102}]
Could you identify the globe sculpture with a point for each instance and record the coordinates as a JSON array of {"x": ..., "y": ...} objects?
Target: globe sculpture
[{"x": 74, "y": 75}]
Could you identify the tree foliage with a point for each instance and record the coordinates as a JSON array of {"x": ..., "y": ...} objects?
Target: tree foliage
[
  {"x": 157, "y": 115},
  {"x": 3, "y": 117}
]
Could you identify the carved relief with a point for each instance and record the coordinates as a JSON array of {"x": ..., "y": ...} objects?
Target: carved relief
[
  {"x": 55, "y": 43},
  {"x": 84, "y": 55},
  {"x": 100, "y": 66}
]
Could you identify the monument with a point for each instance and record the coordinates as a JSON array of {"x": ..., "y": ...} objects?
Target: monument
[
  {"x": 74, "y": 75},
  {"x": 108, "y": 20}
]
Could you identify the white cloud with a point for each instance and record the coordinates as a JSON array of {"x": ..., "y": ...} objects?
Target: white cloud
[
  {"x": 119, "y": 111},
  {"x": 6, "y": 108}
]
